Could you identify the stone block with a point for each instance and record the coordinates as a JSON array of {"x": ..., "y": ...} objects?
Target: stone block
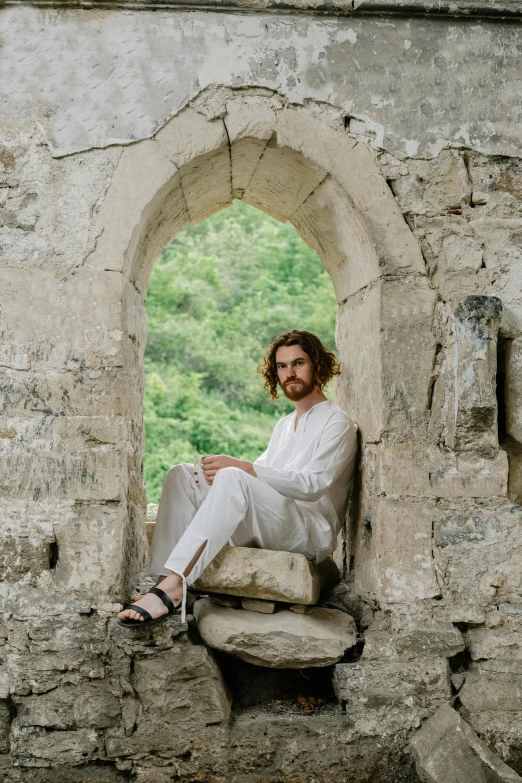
[
  {"x": 447, "y": 750},
  {"x": 432, "y": 638},
  {"x": 472, "y": 417},
  {"x": 404, "y": 469},
  {"x": 282, "y": 181},
  {"x": 330, "y": 224},
  {"x": 299, "y": 608},
  {"x": 249, "y": 118},
  {"x": 245, "y": 155},
  {"x": 358, "y": 323},
  {"x": 262, "y": 573},
  {"x": 487, "y": 691},
  {"x": 91, "y": 550},
  {"x": 478, "y": 557},
  {"x": 74, "y": 313},
  {"x": 326, "y": 748},
  {"x": 160, "y": 673},
  {"x": 162, "y": 219},
  {"x": 469, "y": 527},
  {"x": 57, "y": 633},
  {"x": 472, "y": 476},
  {"x": 33, "y": 746},
  {"x": 226, "y": 600},
  {"x": 67, "y": 707},
  {"x": 504, "y": 643},
  {"x": 461, "y": 253},
  {"x": 142, "y": 171},
  {"x": 351, "y": 164},
  {"x": 5, "y": 726},
  {"x": 387, "y": 696},
  {"x": 36, "y": 672},
  {"x": 90, "y": 393},
  {"x": 189, "y": 135},
  {"x": 283, "y": 640},
  {"x": 25, "y": 551},
  {"x": 413, "y": 469},
  {"x": 402, "y": 542},
  {"x": 200, "y": 149},
  {"x": 433, "y": 186},
  {"x": 183, "y": 703},
  {"x": 207, "y": 184},
  {"x": 408, "y": 349},
  {"x": 250, "y": 124},
  {"x": 513, "y": 389},
  {"x": 255, "y": 605},
  {"x": 80, "y": 475}
]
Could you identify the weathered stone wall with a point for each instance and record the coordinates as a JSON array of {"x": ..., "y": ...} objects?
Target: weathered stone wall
[{"x": 390, "y": 143}]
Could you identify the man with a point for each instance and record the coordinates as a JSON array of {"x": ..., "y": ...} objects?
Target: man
[{"x": 293, "y": 498}]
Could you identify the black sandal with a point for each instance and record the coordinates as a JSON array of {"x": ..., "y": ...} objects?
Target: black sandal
[{"x": 148, "y": 620}]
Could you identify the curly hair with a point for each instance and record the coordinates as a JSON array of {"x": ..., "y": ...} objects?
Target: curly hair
[{"x": 324, "y": 362}]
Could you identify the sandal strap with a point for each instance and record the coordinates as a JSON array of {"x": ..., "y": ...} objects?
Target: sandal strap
[
  {"x": 165, "y": 598},
  {"x": 135, "y": 608}
]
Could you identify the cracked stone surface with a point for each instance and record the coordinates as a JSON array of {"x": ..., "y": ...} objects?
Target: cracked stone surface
[
  {"x": 284, "y": 640},
  {"x": 393, "y": 147}
]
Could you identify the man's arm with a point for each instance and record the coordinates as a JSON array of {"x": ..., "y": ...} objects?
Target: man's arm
[
  {"x": 336, "y": 450},
  {"x": 214, "y": 462}
]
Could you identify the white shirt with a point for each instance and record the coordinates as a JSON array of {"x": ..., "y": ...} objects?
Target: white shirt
[{"x": 314, "y": 465}]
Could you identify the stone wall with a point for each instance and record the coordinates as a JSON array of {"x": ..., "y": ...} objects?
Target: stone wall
[{"x": 394, "y": 161}]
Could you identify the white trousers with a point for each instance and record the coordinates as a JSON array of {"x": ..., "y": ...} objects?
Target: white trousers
[{"x": 238, "y": 510}]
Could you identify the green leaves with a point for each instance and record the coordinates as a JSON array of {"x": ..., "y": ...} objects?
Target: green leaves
[{"x": 219, "y": 294}]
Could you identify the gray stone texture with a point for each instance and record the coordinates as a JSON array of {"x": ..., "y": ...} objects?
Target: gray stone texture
[
  {"x": 283, "y": 640},
  {"x": 384, "y": 697},
  {"x": 321, "y": 59},
  {"x": 446, "y": 749},
  {"x": 391, "y": 141}
]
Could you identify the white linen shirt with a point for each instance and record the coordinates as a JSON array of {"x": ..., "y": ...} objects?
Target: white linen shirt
[{"x": 314, "y": 465}]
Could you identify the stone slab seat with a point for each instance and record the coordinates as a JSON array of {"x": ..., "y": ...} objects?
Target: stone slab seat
[
  {"x": 265, "y": 574},
  {"x": 283, "y": 640}
]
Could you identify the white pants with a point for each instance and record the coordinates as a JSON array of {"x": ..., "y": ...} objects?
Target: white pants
[{"x": 237, "y": 509}]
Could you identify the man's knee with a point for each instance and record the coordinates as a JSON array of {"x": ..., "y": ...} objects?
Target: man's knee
[
  {"x": 229, "y": 476},
  {"x": 174, "y": 472}
]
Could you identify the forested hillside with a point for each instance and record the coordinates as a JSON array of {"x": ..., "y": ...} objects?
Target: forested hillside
[{"x": 218, "y": 295}]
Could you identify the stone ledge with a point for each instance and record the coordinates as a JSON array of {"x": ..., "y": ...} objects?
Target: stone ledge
[{"x": 505, "y": 9}]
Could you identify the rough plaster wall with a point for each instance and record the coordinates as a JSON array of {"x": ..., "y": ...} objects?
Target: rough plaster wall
[
  {"x": 79, "y": 689},
  {"x": 70, "y": 82}
]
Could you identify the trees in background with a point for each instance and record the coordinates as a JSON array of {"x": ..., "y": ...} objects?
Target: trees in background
[{"x": 219, "y": 294}]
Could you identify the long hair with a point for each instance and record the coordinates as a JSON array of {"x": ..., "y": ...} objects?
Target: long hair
[{"x": 324, "y": 362}]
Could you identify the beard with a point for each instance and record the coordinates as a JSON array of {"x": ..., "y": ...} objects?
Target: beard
[{"x": 299, "y": 390}]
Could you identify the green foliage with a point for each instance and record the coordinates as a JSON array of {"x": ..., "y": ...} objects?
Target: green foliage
[{"x": 219, "y": 294}]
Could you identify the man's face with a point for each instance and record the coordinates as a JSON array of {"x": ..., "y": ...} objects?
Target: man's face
[{"x": 295, "y": 372}]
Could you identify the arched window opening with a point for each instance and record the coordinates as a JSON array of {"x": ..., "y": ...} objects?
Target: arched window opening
[{"x": 218, "y": 295}]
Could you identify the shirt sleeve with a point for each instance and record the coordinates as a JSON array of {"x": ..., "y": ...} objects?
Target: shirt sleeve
[{"x": 336, "y": 449}]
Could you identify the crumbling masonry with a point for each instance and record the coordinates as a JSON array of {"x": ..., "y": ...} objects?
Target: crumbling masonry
[{"x": 389, "y": 134}]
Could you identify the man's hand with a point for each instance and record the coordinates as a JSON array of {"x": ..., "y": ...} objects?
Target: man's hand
[{"x": 213, "y": 463}]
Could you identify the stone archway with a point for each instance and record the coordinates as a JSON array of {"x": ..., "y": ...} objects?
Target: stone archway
[{"x": 297, "y": 168}]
